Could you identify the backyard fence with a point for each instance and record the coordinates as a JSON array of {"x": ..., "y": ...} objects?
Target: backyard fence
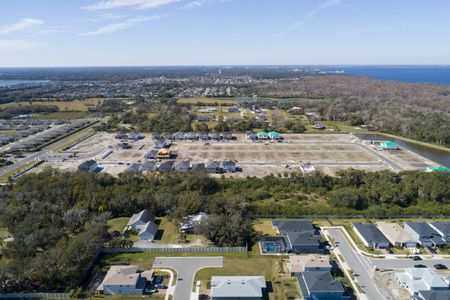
[
  {"x": 175, "y": 250},
  {"x": 35, "y": 296}
]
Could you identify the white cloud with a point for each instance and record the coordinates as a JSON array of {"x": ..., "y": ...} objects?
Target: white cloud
[
  {"x": 121, "y": 26},
  {"x": 18, "y": 45},
  {"x": 23, "y": 24},
  {"x": 313, "y": 13},
  {"x": 200, "y": 3},
  {"x": 139, "y": 4}
]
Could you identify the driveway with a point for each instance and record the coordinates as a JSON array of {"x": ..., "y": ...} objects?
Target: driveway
[
  {"x": 361, "y": 266},
  {"x": 186, "y": 267}
]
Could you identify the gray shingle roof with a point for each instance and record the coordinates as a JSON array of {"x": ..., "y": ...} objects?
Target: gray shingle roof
[
  {"x": 319, "y": 281},
  {"x": 293, "y": 225},
  {"x": 370, "y": 233},
  {"x": 237, "y": 286}
]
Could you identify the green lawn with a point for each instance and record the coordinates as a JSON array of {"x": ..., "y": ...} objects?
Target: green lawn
[
  {"x": 264, "y": 226},
  {"x": 117, "y": 224},
  {"x": 272, "y": 268}
]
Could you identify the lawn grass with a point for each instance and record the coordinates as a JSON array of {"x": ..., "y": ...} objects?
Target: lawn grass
[
  {"x": 4, "y": 178},
  {"x": 242, "y": 264},
  {"x": 75, "y": 105},
  {"x": 264, "y": 226},
  {"x": 117, "y": 224},
  {"x": 168, "y": 232}
]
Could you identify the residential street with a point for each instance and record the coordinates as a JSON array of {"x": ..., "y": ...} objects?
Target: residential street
[{"x": 186, "y": 267}]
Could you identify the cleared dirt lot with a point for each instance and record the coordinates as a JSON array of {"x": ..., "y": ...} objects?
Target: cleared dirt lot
[{"x": 328, "y": 152}]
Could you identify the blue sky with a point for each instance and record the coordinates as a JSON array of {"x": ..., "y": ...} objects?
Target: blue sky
[{"x": 225, "y": 32}]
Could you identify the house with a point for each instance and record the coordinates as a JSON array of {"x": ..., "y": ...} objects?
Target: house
[
  {"x": 198, "y": 167},
  {"x": 162, "y": 144},
  {"x": 164, "y": 153},
  {"x": 273, "y": 244},
  {"x": 213, "y": 167},
  {"x": 262, "y": 135},
  {"x": 124, "y": 146},
  {"x": 304, "y": 242},
  {"x": 190, "y": 222},
  {"x": 121, "y": 136},
  {"x": 437, "y": 169},
  {"x": 443, "y": 228},
  {"x": 135, "y": 136},
  {"x": 204, "y": 136},
  {"x": 179, "y": 136},
  {"x": 148, "y": 231},
  {"x": 307, "y": 168},
  {"x": 190, "y": 136},
  {"x": 139, "y": 219},
  {"x": 275, "y": 136},
  {"x": 182, "y": 166},
  {"x": 370, "y": 235},
  {"x": 283, "y": 227},
  {"x": 151, "y": 154},
  {"x": 168, "y": 136},
  {"x": 234, "y": 109},
  {"x": 166, "y": 166},
  {"x": 388, "y": 145},
  {"x": 123, "y": 280},
  {"x": 216, "y": 137},
  {"x": 229, "y": 166},
  {"x": 424, "y": 234},
  {"x": 238, "y": 287},
  {"x": 396, "y": 235},
  {"x": 133, "y": 168},
  {"x": 89, "y": 166},
  {"x": 319, "y": 126},
  {"x": 207, "y": 110},
  {"x": 320, "y": 285},
  {"x": 310, "y": 262},
  {"x": 251, "y": 136},
  {"x": 156, "y": 136},
  {"x": 423, "y": 284},
  {"x": 148, "y": 166},
  {"x": 143, "y": 222}
]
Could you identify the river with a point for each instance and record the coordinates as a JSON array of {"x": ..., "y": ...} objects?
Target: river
[{"x": 441, "y": 157}]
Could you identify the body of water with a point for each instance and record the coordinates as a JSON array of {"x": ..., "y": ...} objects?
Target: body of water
[
  {"x": 431, "y": 74},
  {"x": 7, "y": 83},
  {"x": 441, "y": 157}
]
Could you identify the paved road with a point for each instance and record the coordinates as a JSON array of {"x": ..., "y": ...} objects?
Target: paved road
[
  {"x": 36, "y": 155},
  {"x": 186, "y": 267},
  {"x": 360, "y": 265},
  {"x": 394, "y": 165},
  {"x": 407, "y": 263}
]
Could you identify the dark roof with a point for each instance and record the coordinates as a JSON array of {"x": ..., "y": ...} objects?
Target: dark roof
[
  {"x": 304, "y": 239},
  {"x": 422, "y": 228},
  {"x": 148, "y": 166},
  {"x": 293, "y": 225},
  {"x": 88, "y": 164},
  {"x": 166, "y": 166},
  {"x": 198, "y": 166},
  {"x": 318, "y": 281},
  {"x": 443, "y": 227},
  {"x": 371, "y": 233},
  {"x": 436, "y": 295},
  {"x": 133, "y": 168}
]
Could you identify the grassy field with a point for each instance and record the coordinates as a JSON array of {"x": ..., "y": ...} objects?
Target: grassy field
[
  {"x": 206, "y": 100},
  {"x": 4, "y": 178},
  {"x": 75, "y": 105}
]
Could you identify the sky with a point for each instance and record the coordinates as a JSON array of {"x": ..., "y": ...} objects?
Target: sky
[{"x": 38, "y": 33}]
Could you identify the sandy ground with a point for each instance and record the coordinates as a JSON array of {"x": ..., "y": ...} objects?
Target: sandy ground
[{"x": 328, "y": 152}]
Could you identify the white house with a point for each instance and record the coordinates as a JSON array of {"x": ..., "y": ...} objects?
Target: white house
[
  {"x": 396, "y": 235},
  {"x": 422, "y": 280},
  {"x": 144, "y": 223}
]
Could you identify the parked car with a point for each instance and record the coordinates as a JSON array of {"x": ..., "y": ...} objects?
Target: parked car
[
  {"x": 440, "y": 267},
  {"x": 416, "y": 258},
  {"x": 420, "y": 266}
]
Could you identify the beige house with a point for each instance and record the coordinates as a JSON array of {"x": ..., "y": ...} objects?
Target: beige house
[
  {"x": 123, "y": 280},
  {"x": 396, "y": 235},
  {"x": 310, "y": 262}
]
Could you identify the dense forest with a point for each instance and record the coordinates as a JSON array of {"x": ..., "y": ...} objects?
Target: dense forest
[
  {"x": 58, "y": 219},
  {"x": 417, "y": 111}
]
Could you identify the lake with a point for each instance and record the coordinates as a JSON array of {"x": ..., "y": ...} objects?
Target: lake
[
  {"x": 432, "y": 74},
  {"x": 7, "y": 83},
  {"x": 441, "y": 157}
]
